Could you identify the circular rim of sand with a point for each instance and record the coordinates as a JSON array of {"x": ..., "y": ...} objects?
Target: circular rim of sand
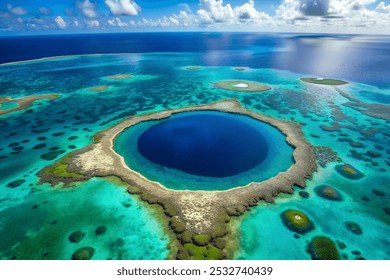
[
  {"x": 238, "y": 85},
  {"x": 304, "y": 162}
]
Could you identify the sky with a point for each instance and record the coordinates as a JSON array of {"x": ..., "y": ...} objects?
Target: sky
[{"x": 91, "y": 16}]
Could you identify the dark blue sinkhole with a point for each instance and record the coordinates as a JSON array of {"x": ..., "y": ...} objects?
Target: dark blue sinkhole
[
  {"x": 205, "y": 150},
  {"x": 204, "y": 145}
]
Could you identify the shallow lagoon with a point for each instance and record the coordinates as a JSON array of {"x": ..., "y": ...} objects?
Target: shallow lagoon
[{"x": 160, "y": 82}]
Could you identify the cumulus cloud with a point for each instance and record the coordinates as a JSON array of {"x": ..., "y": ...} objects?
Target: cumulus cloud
[
  {"x": 93, "y": 23},
  {"x": 288, "y": 10},
  {"x": 382, "y": 8},
  {"x": 18, "y": 10},
  {"x": 350, "y": 7},
  {"x": 60, "y": 22},
  {"x": 314, "y": 7},
  {"x": 214, "y": 11},
  {"x": 87, "y": 8},
  {"x": 123, "y": 7}
]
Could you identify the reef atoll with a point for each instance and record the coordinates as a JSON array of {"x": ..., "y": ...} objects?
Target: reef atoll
[{"x": 199, "y": 219}]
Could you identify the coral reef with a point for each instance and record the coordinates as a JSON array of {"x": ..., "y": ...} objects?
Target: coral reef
[
  {"x": 328, "y": 192},
  {"x": 323, "y": 248},
  {"x": 348, "y": 171},
  {"x": 297, "y": 221}
]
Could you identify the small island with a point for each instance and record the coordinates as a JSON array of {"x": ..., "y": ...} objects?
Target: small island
[
  {"x": 120, "y": 76},
  {"x": 194, "y": 67},
  {"x": 199, "y": 219},
  {"x": 242, "y": 86},
  {"x": 321, "y": 81},
  {"x": 20, "y": 104}
]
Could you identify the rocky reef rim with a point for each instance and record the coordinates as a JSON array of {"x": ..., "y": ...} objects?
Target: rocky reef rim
[{"x": 189, "y": 213}]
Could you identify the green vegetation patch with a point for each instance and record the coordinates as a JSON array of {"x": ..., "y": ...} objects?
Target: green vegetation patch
[
  {"x": 327, "y": 82},
  {"x": 323, "y": 248},
  {"x": 202, "y": 252},
  {"x": 297, "y": 221},
  {"x": 242, "y": 86},
  {"x": 201, "y": 239},
  {"x": 60, "y": 169},
  {"x": 176, "y": 225}
]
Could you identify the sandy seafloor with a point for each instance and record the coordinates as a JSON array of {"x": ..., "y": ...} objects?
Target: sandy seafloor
[{"x": 36, "y": 220}]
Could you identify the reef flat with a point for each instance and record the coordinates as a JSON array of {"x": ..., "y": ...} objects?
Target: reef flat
[
  {"x": 379, "y": 111},
  {"x": 198, "y": 218},
  {"x": 24, "y": 102},
  {"x": 327, "y": 82}
]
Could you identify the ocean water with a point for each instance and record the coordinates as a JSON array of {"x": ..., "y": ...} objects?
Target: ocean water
[
  {"x": 226, "y": 152},
  {"x": 33, "y": 214}
]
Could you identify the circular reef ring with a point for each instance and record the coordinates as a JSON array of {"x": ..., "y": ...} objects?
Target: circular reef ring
[{"x": 197, "y": 211}]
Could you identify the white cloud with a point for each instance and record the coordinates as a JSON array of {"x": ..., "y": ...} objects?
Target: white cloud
[
  {"x": 93, "y": 23},
  {"x": 87, "y": 8},
  {"x": 185, "y": 7},
  {"x": 60, "y": 22},
  {"x": 182, "y": 19},
  {"x": 288, "y": 10},
  {"x": 20, "y": 11},
  {"x": 332, "y": 16},
  {"x": 349, "y": 7},
  {"x": 117, "y": 22},
  {"x": 123, "y": 7},
  {"x": 382, "y": 8},
  {"x": 215, "y": 12},
  {"x": 248, "y": 11}
]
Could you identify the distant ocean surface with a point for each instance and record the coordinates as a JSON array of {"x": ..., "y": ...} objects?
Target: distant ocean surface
[{"x": 363, "y": 59}]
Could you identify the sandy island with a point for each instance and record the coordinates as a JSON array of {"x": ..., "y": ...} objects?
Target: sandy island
[
  {"x": 198, "y": 218},
  {"x": 242, "y": 86},
  {"x": 120, "y": 76},
  {"x": 24, "y": 102}
]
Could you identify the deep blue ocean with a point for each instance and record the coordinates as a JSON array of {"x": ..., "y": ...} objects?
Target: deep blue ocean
[{"x": 358, "y": 58}]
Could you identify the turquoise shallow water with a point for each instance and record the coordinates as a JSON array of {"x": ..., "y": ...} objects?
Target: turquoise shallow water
[
  {"x": 40, "y": 226},
  {"x": 8, "y": 105},
  {"x": 28, "y": 139},
  {"x": 126, "y": 144}
]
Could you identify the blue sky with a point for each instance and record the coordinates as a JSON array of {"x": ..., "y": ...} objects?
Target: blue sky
[{"x": 84, "y": 16}]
